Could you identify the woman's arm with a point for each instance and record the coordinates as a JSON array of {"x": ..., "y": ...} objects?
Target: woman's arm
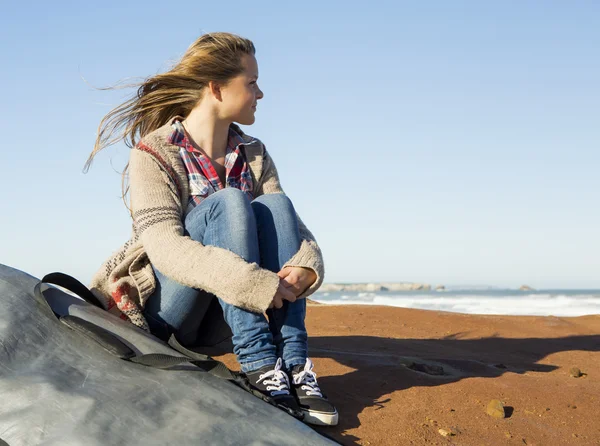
[
  {"x": 309, "y": 255},
  {"x": 156, "y": 210}
]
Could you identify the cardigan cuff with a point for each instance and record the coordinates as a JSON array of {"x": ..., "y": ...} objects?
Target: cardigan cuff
[{"x": 309, "y": 256}]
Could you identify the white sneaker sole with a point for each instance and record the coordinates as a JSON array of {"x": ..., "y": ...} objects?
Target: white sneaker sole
[{"x": 320, "y": 418}]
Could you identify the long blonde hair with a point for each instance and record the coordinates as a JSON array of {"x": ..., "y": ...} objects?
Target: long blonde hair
[{"x": 212, "y": 57}]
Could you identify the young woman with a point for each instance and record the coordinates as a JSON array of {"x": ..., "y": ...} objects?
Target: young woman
[{"x": 212, "y": 224}]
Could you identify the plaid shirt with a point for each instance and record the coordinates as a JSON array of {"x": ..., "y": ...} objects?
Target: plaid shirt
[{"x": 202, "y": 175}]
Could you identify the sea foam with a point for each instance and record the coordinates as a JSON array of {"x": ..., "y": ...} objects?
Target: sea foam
[{"x": 567, "y": 303}]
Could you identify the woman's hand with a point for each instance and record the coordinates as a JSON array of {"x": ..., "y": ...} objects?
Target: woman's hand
[
  {"x": 297, "y": 279},
  {"x": 283, "y": 293}
]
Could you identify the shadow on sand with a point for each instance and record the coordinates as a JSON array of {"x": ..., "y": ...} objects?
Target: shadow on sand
[{"x": 384, "y": 365}]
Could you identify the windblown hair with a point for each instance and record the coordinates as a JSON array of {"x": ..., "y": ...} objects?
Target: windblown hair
[{"x": 213, "y": 57}]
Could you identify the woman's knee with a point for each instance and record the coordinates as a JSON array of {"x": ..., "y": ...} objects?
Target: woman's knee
[
  {"x": 231, "y": 208},
  {"x": 275, "y": 214},
  {"x": 231, "y": 199},
  {"x": 228, "y": 206},
  {"x": 276, "y": 203}
]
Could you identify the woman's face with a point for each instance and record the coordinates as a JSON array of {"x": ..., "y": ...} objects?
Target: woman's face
[{"x": 241, "y": 94}]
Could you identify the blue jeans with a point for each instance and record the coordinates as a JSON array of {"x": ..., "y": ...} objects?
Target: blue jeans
[{"x": 264, "y": 231}]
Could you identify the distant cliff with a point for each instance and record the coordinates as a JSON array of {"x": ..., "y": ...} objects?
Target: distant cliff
[{"x": 372, "y": 287}]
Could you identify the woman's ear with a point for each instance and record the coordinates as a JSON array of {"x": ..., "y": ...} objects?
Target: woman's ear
[{"x": 215, "y": 90}]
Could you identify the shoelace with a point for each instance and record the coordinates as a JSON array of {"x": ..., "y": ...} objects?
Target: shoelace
[
  {"x": 308, "y": 379},
  {"x": 276, "y": 380}
]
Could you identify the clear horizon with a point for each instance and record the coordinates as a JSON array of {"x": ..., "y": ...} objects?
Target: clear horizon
[{"x": 443, "y": 143}]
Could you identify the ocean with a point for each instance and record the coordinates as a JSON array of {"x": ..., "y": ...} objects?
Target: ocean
[{"x": 496, "y": 301}]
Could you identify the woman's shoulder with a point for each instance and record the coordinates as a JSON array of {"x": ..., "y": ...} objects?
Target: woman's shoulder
[
  {"x": 159, "y": 139},
  {"x": 159, "y": 146}
]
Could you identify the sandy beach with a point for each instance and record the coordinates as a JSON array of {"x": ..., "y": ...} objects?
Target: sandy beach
[{"x": 410, "y": 377}]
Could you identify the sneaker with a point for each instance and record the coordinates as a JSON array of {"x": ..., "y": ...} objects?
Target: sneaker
[
  {"x": 274, "y": 383},
  {"x": 313, "y": 403}
]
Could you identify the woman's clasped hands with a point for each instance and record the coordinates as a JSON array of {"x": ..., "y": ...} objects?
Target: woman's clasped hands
[{"x": 293, "y": 281}]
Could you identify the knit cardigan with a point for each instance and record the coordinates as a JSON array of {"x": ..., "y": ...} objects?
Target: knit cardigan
[{"x": 159, "y": 193}]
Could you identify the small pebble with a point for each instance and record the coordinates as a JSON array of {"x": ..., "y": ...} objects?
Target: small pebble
[
  {"x": 575, "y": 372},
  {"x": 431, "y": 421},
  {"x": 446, "y": 433},
  {"x": 495, "y": 409}
]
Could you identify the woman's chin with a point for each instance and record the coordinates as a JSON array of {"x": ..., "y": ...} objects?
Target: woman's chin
[{"x": 246, "y": 120}]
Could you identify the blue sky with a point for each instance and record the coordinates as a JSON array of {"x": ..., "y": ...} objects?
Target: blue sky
[{"x": 439, "y": 142}]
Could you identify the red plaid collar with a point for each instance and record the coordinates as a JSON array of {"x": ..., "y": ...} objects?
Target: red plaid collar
[
  {"x": 179, "y": 137},
  {"x": 202, "y": 176}
]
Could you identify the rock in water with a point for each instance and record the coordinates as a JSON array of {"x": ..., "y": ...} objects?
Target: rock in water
[
  {"x": 374, "y": 287},
  {"x": 575, "y": 372},
  {"x": 495, "y": 409}
]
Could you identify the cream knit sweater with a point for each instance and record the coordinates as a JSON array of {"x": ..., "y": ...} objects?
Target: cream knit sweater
[{"x": 159, "y": 194}]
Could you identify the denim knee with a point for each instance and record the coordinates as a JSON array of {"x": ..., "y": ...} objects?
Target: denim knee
[
  {"x": 229, "y": 204},
  {"x": 275, "y": 201}
]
